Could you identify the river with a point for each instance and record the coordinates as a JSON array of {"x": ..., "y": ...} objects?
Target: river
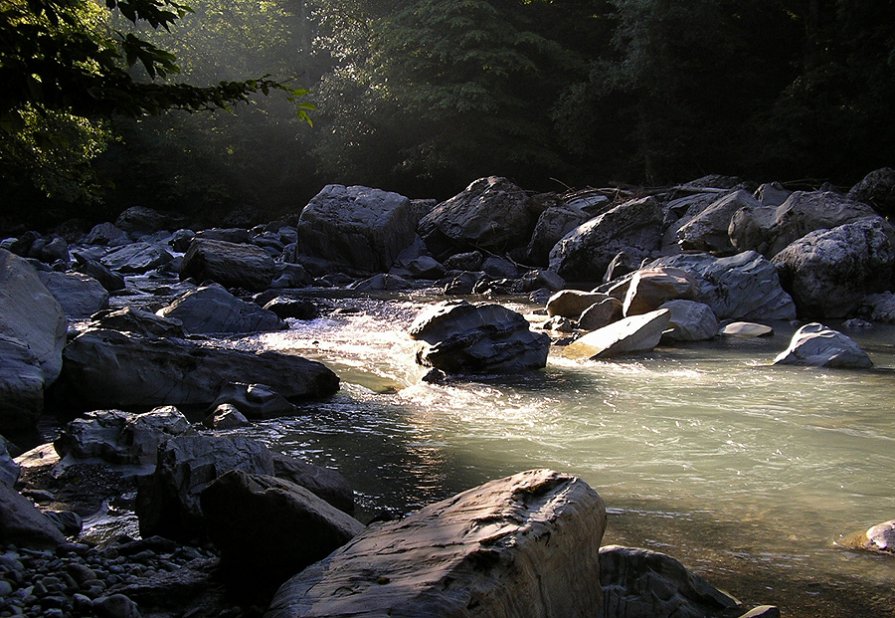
[{"x": 746, "y": 472}]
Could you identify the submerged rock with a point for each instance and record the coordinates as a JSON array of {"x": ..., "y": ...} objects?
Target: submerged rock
[
  {"x": 818, "y": 346},
  {"x": 460, "y": 337},
  {"x": 639, "y": 333},
  {"x": 879, "y": 538},
  {"x": 746, "y": 330},
  {"x": 521, "y": 546}
]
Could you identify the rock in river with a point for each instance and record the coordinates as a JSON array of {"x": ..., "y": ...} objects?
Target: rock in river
[
  {"x": 464, "y": 338},
  {"x": 818, "y": 346},
  {"x": 638, "y": 333},
  {"x": 230, "y": 264},
  {"x": 105, "y": 368},
  {"x": 522, "y": 546},
  {"x": 212, "y": 309}
]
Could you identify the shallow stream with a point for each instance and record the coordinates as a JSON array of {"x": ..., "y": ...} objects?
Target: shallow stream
[{"x": 746, "y": 472}]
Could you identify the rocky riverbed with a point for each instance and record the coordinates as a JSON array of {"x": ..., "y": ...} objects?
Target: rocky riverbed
[{"x": 121, "y": 333}]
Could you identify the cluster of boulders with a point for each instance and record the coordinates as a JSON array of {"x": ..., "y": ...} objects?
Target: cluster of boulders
[{"x": 126, "y": 325}]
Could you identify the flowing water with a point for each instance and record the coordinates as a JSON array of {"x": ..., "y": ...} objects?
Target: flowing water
[{"x": 746, "y": 472}]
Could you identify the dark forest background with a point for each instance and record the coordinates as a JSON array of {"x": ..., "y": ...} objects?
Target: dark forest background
[{"x": 422, "y": 97}]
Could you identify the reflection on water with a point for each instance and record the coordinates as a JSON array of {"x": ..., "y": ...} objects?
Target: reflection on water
[{"x": 746, "y": 472}]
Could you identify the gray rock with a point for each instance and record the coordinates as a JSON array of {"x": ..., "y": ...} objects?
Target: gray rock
[
  {"x": 226, "y": 416},
  {"x": 425, "y": 267},
  {"x": 297, "y": 308},
  {"x": 233, "y": 235},
  {"x": 212, "y": 309},
  {"x": 707, "y": 231},
  {"x": 380, "y": 282},
  {"x": 30, "y": 315},
  {"x": 268, "y": 529},
  {"x": 877, "y": 189},
  {"x": 464, "y": 338},
  {"x": 829, "y": 272},
  {"x": 79, "y": 295},
  {"x": 470, "y": 260},
  {"x": 138, "y": 257},
  {"x": 678, "y": 213},
  {"x": 881, "y": 537},
  {"x": 585, "y": 253},
  {"x": 554, "y": 223},
  {"x": 142, "y": 220},
  {"x": 639, "y": 333},
  {"x": 324, "y": 483},
  {"x": 9, "y": 469},
  {"x": 492, "y": 214},
  {"x": 105, "y": 368},
  {"x": 181, "y": 239},
  {"x": 773, "y": 194},
  {"x": 880, "y": 307},
  {"x": 119, "y": 437},
  {"x": 818, "y": 346},
  {"x": 356, "y": 227},
  {"x": 499, "y": 267},
  {"x": 639, "y": 583},
  {"x": 255, "y": 401},
  {"x": 651, "y": 287},
  {"x": 138, "y": 322},
  {"x": 85, "y": 264},
  {"x": 168, "y": 501},
  {"x": 740, "y": 287},
  {"x": 600, "y": 314},
  {"x": 107, "y": 234},
  {"x": 21, "y": 385},
  {"x": 690, "y": 321},
  {"x": 232, "y": 265},
  {"x": 520, "y": 546},
  {"x": 116, "y": 606},
  {"x": 571, "y": 303},
  {"x": 769, "y": 229},
  {"x": 22, "y": 524},
  {"x": 746, "y": 330}
]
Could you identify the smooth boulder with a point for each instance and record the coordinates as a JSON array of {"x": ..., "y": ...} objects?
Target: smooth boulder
[
  {"x": 526, "y": 545},
  {"x": 708, "y": 230},
  {"x": 690, "y": 321},
  {"x": 459, "y": 337},
  {"x": 106, "y": 368},
  {"x": 818, "y": 346},
  {"x": 492, "y": 214},
  {"x": 22, "y": 524},
  {"x": 233, "y": 265},
  {"x": 829, "y": 272},
  {"x": 356, "y": 227},
  {"x": 585, "y": 253},
  {"x": 136, "y": 258},
  {"x": 650, "y": 287},
  {"x": 639, "y": 333},
  {"x": 212, "y": 309},
  {"x": 268, "y": 529},
  {"x": 572, "y": 303},
  {"x": 79, "y": 295}
]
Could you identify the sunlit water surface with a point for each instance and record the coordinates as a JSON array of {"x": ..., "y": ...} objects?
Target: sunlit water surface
[{"x": 746, "y": 472}]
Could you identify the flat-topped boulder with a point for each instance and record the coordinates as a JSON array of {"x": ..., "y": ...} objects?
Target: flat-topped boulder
[
  {"x": 639, "y": 333},
  {"x": 459, "y": 337},
  {"x": 572, "y": 303},
  {"x": 360, "y": 228},
  {"x": 138, "y": 257},
  {"x": 818, "y": 346},
  {"x": 650, "y": 287},
  {"x": 233, "y": 265},
  {"x": 107, "y": 369},
  {"x": 526, "y": 545}
]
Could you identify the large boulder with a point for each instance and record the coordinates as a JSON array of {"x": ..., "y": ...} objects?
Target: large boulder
[
  {"x": 707, "y": 231},
  {"x": 356, "y": 227},
  {"x": 212, "y": 309},
  {"x": 168, "y": 501},
  {"x": 554, "y": 223},
  {"x": 106, "y": 368},
  {"x": 877, "y": 189},
  {"x": 492, "y": 214},
  {"x": 255, "y": 401},
  {"x": 235, "y": 265},
  {"x": 526, "y": 545},
  {"x": 142, "y": 219},
  {"x": 690, "y": 321},
  {"x": 139, "y": 322},
  {"x": 121, "y": 438},
  {"x": 22, "y": 524},
  {"x": 769, "y": 229},
  {"x": 572, "y": 303},
  {"x": 829, "y": 272},
  {"x": 21, "y": 386},
  {"x": 818, "y": 346},
  {"x": 268, "y": 529},
  {"x": 79, "y": 295},
  {"x": 136, "y": 258},
  {"x": 639, "y": 333},
  {"x": 740, "y": 287},
  {"x": 30, "y": 314},
  {"x": 650, "y": 287},
  {"x": 460, "y": 337},
  {"x": 85, "y": 264},
  {"x": 324, "y": 483},
  {"x": 639, "y": 583},
  {"x": 585, "y": 253}
]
